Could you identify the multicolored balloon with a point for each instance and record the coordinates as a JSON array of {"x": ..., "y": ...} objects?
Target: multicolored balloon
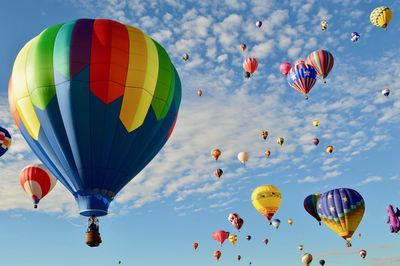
[
  {"x": 300, "y": 247},
  {"x": 220, "y": 236},
  {"x": 217, "y": 254},
  {"x": 264, "y": 134},
  {"x": 233, "y": 239},
  {"x": 250, "y": 65},
  {"x": 275, "y": 223},
  {"x": 302, "y": 78},
  {"x": 385, "y": 92},
  {"x": 242, "y": 47},
  {"x": 218, "y": 173},
  {"x": 307, "y": 259},
  {"x": 238, "y": 257},
  {"x": 342, "y": 211},
  {"x": 280, "y": 141},
  {"x": 381, "y": 16},
  {"x": 266, "y": 200},
  {"x": 106, "y": 98},
  {"x": 185, "y": 57},
  {"x": 285, "y": 67},
  {"x": 5, "y": 141},
  {"x": 37, "y": 182},
  {"x": 324, "y": 25},
  {"x": 322, "y": 61},
  {"x": 355, "y": 36},
  {"x": 363, "y": 253},
  {"x": 310, "y": 205},
  {"x": 235, "y": 220}
]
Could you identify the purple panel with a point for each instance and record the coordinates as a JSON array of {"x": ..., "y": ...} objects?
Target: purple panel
[{"x": 81, "y": 43}]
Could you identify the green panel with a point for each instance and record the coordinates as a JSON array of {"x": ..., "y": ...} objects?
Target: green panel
[
  {"x": 178, "y": 89},
  {"x": 39, "y": 68},
  {"x": 163, "y": 91},
  {"x": 62, "y": 49}
]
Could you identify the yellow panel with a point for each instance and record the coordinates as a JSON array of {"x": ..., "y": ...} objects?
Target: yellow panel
[
  {"x": 137, "y": 58},
  {"x": 20, "y": 88},
  {"x": 28, "y": 116},
  {"x": 135, "y": 105},
  {"x": 152, "y": 66}
]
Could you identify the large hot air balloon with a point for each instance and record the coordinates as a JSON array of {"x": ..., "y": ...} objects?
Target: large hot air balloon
[
  {"x": 266, "y": 200},
  {"x": 235, "y": 220},
  {"x": 363, "y": 253},
  {"x": 96, "y": 100},
  {"x": 310, "y": 205},
  {"x": 195, "y": 245},
  {"x": 5, "y": 141},
  {"x": 215, "y": 153},
  {"x": 322, "y": 61},
  {"x": 285, "y": 67},
  {"x": 220, "y": 236},
  {"x": 302, "y": 78},
  {"x": 306, "y": 259},
  {"x": 243, "y": 157},
  {"x": 37, "y": 182},
  {"x": 381, "y": 16},
  {"x": 341, "y": 210},
  {"x": 217, "y": 254},
  {"x": 250, "y": 66}
]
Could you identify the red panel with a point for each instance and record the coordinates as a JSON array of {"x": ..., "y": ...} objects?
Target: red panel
[{"x": 108, "y": 65}]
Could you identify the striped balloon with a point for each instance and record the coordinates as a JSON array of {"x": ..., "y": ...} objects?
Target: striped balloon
[
  {"x": 381, "y": 16},
  {"x": 250, "y": 65},
  {"x": 302, "y": 77},
  {"x": 37, "y": 182},
  {"x": 306, "y": 259},
  {"x": 96, "y": 100},
  {"x": 322, "y": 61},
  {"x": 310, "y": 204},
  {"x": 341, "y": 210},
  {"x": 5, "y": 141}
]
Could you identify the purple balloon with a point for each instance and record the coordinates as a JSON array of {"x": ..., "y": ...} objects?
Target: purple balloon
[{"x": 393, "y": 219}]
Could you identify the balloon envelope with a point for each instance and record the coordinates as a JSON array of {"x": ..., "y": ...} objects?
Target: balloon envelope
[
  {"x": 285, "y": 67},
  {"x": 5, "y": 141},
  {"x": 302, "y": 78},
  {"x": 381, "y": 16},
  {"x": 266, "y": 200},
  {"x": 322, "y": 61},
  {"x": 310, "y": 205},
  {"x": 243, "y": 157},
  {"x": 306, "y": 259},
  {"x": 220, "y": 236},
  {"x": 105, "y": 101}
]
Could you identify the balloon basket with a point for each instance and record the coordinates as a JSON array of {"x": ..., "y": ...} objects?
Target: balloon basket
[{"x": 93, "y": 239}]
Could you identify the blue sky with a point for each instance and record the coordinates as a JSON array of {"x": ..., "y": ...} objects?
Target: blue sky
[{"x": 176, "y": 200}]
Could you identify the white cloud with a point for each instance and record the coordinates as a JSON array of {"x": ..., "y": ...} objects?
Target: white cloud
[{"x": 371, "y": 179}]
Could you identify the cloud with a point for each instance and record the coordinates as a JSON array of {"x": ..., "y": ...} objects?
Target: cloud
[
  {"x": 308, "y": 179},
  {"x": 371, "y": 179}
]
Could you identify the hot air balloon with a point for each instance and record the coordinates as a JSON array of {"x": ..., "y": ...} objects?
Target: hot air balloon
[
  {"x": 363, "y": 253},
  {"x": 393, "y": 219},
  {"x": 302, "y": 78},
  {"x": 329, "y": 149},
  {"x": 310, "y": 205},
  {"x": 280, "y": 141},
  {"x": 266, "y": 200},
  {"x": 37, "y": 182},
  {"x": 185, "y": 57},
  {"x": 307, "y": 259},
  {"x": 218, "y": 173},
  {"x": 266, "y": 241},
  {"x": 385, "y": 92},
  {"x": 195, "y": 245},
  {"x": 275, "y": 223},
  {"x": 267, "y": 153},
  {"x": 315, "y": 123},
  {"x": 238, "y": 257},
  {"x": 235, "y": 220},
  {"x": 199, "y": 92},
  {"x": 290, "y": 221},
  {"x": 217, "y": 254},
  {"x": 324, "y": 25},
  {"x": 250, "y": 65},
  {"x": 315, "y": 141},
  {"x": 359, "y": 234},
  {"x": 322, "y": 262},
  {"x": 285, "y": 67},
  {"x": 5, "y": 141},
  {"x": 355, "y": 36},
  {"x": 242, "y": 47},
  {"x": 341, "y": 210},
  {"x": 300, "y": 247},
  {"x": 220, "y": 236},
  {"x": 232, "y": 239},
  {"x": 105, "y": 101},
  {"x": 381, "y": 16},
  {"x": 322, "y": 61},
  {"x": 215, "y": 153},
  {"x": 259, "y": 24},
  {"x": 243, "y": 157},
  {"x": 264, "y": 134},
  {"x": 248, "y": 237}
]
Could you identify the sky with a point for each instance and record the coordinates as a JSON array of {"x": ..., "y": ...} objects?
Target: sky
[{"x": 176, "y": 200}]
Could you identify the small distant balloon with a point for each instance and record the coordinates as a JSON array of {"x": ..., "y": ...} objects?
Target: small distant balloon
[
  {"x": 218, "y": 173},
  {"x": 220, "y": 236},
  {"x": 315, "y": 141},
  {"x": 324, "y": 25},
  {"x": 322, "y": 262},
  {"x": 248, "y": 237},
  {"x": 217, "y": 254},
  {"x": 316, "y": 123},
  {"x": 267, "y": 153},
  {"x": 275, "y": 223},
  {"x": 199, "y": 92},
  {"x": 307, "y": 259},
  {"x": 250, "y": 66},
  {"x": 385, "y": 92},
  {"x": 355, "y": 36},
  {"x": 242, "y": 47},
  {"x": 5, "y": 141},
  {"x": 300, "y": 247},
  {"x": 266, "y": 241},
  {"x": 259, "y": 23},
  {"x": 280, "y": 141},
  {"x": 238, "y": 257},
  {"x": 290, "y": 221},
  {"x": 243, "y": 157},
  {"x": 264, "y": 134},
  {"x": 185, "y": 57},
  {"x": 285, "y": 67},
  {"x": 232, "y": 239},
  {"x": 363, "y": 253},
  {"x": 329, "y": 149},
  {"x": 195, "y": 245},
  {"x": 215, "y": 153}
]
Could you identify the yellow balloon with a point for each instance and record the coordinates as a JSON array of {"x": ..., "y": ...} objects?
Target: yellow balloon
[
  {"x": 290, "y": 221},
  {"x": 381, "y": 16},
  {"x": 233, "y": 239},
  {"x": 266, "y": 200}
]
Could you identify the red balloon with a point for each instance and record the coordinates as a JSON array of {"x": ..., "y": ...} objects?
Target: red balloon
[
  {"x": 220, "y": 236},
  {"x": 315, "y": 141},
  {"x": 250, "y": 65},
  {"x": 285, "y": 67},
  {"x": 195, "y": 245}
]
